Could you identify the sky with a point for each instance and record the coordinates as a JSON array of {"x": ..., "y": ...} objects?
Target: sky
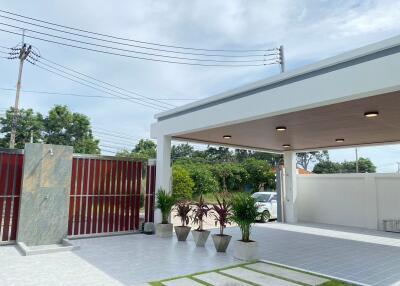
[{"x": 309, "y": 30}]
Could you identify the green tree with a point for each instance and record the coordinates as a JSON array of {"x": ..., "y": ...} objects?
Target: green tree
[
  {"x": 259, "y": 173},
  {"x": 220, "y": 154},
  {"x": 202, "y": 176},
  {"x": 62, "y": 127},
  {"x": 365, "y": 165},
  {"x": 181, "y": 151},
  {"x": 273, "y": 159},
  {"x": 231, "y": 176},
  {"x": 144, "y": 149},
  {"x": 305, "y": 158},
  {"x": 327, "y": 167},
  {"x": 28, "y": 124},
  {"x": 182, "y": 183}
]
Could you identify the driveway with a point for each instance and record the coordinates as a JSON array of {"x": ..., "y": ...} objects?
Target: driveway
[{"x": 365, "y": 257}]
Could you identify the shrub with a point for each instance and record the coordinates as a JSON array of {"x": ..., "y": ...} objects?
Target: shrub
[
  {"x": 183, "y": 208},
  {"x": 200, "y": 211},
  {"x": 165, "y": 202},
  {"x": 222, "y": 212},
  {"x": 182, "y": 184},
  {"x": 244, "y": 213}
]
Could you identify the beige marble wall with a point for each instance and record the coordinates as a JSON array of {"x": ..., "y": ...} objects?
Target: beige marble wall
[{"x": 43, "y": 217}]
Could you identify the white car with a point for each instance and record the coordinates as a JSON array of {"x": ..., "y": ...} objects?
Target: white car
[{"x": 266, "y": 202}]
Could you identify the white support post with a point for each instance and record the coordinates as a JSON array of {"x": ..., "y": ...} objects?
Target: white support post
[
  {"x": 163, "y": 169},
  {"x": 290, "y": 194},
  {"x": 163, "y": 179}
]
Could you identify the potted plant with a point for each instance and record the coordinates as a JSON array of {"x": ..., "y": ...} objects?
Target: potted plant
[
  {"x": 221, "y": 213},
  {"x": 244, "y": 213},
  {"x": 165, "y": 202},
  {"x": 183, "y": 208},
  {"x": 200, "y": 211}
]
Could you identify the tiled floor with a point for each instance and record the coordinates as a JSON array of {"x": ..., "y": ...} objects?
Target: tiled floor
[{"x": 367, "y": 257}]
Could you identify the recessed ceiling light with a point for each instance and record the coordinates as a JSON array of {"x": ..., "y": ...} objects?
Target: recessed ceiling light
[
  {"x": 286, "y": 145},
  {"x": 339, "y": 140},
  {"x": 370, "y": 114},
  {"x": 281, "y": 128},
  {"x": 227, "y": 136}
]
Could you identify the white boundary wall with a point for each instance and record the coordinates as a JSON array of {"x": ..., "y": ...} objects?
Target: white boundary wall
[{"x": 357, "y": 200}]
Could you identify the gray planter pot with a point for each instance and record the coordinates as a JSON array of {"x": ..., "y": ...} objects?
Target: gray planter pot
[
  {"x": 182, "y": 232},
  {"x": 200, "y": 237},
  {"x": 221, "y": 242},
  {"x": 246, "y": 251},
  {"x": 148, "y": 228},
  {"x": 164, "y": 230}
]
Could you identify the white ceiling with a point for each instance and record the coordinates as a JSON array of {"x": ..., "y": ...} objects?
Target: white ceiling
[{"x": 315, "y": 128}]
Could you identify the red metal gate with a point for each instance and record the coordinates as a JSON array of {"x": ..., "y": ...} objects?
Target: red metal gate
[
  {"x": 105, "y": 195},
  {"x": 11, "y": 162}
]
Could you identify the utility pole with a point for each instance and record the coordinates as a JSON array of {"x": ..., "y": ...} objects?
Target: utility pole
[
  {"x": 356, "y": 160},
  {"x": 23, "y": 54},
  {"x": 282, "y": 58}
]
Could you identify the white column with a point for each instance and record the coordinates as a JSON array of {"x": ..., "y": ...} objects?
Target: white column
[
  {"x": 163, "y": 169},
  {"x": 290, "y": 178},
  {"x": 163, "y": 174}
]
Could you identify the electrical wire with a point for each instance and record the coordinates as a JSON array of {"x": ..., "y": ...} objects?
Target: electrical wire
[
  {"x": 133, "y": 40},
  {"x": 106, "y": 83},
  {"x": 106, "y": 88},
  {"x": 271, "y": 53},
  {"x": 141, "y": 58},
  {"x": 140, "y": 103},
  {"x": 133, "y": 51},
  {"x": 89, "y": 96}
]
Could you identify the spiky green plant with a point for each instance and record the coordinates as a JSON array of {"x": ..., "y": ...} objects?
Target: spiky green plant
[
  {"x": 183, "y": 209},
  {"x": 244, "y": 213},
  {"x": 165, "y": 202},
  {"x": 200, "y": 211},
  {"x": 222, "y": 212}
]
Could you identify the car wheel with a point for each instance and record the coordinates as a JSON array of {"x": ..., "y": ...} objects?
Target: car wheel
[{"x": 265, "y": 216}]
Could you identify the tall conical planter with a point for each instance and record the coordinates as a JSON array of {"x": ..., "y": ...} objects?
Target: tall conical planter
[
  {"x": 182, "y": 232},
  {"x": 200, "y": 237},
  {"x": 221, "y": 242}
]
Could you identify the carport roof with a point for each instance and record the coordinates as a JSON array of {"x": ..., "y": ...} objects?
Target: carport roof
[{"x": 317, "y": 103}]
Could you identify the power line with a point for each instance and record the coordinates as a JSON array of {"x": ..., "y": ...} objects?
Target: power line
[
  {"x": 135, "y": 51},
  {"x": 271, "y": 53},
  {"x": 136, "y": 41},
  {"x": 143, "y": 58},
  {"x": 106, "y": 83},
  {"x": 90, "y": 96},
  {"x": 82, "y": 83},
  {"x": 165, "y": 106}
]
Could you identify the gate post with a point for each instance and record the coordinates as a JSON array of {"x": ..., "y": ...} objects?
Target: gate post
[
  {"x": 149, "y": 210},
  {"x": 43, "y": 213}
]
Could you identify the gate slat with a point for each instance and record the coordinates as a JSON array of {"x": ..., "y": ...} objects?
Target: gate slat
[
  {"x": 17, "y": 194},
  {"x": 138, "y": 182},
  {"x": 77, "y": 196},
  {"x": 133, "y": 198},
  {"x": 128, "y": 195},
  {"x": 9, "y": 193},
  {"x": 112, "y": 196},
  {"x": 95, "y": 195},
  {"x": 107, "y": 197},
  {"x": 90, "y": 197},
  {"x": 84, "y": 196},
  {"x": 71, "y": 198},
  {"x": 101, "y": 197}
]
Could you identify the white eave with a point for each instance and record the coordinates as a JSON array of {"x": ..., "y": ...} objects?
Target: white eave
[{"x": 324, "y": 64}]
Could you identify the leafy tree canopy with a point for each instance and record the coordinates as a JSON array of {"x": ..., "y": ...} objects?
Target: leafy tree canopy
[
  {"x": 365, "y": 165},
  {"x": 60, "y": 126}
]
